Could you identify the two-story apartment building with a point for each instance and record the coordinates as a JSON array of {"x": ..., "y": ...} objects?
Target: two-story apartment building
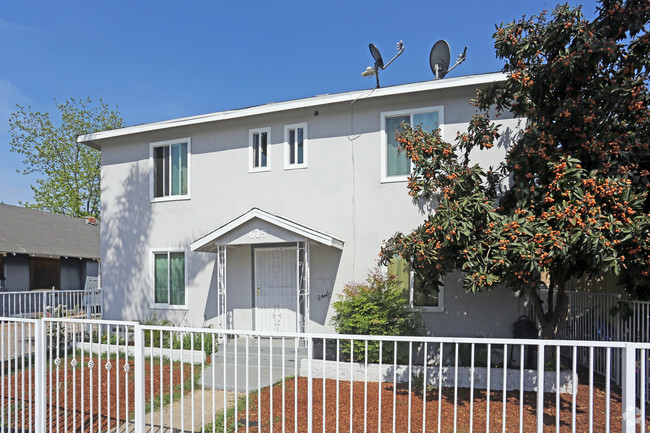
[{"x": 256, "y": 218}]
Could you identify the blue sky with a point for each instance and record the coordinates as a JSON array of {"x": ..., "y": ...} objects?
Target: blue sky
[{"x": 167, "y": 59}]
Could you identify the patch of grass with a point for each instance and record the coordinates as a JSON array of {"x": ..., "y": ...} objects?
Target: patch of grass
[
  {"x": 229, "y": 415},
  {"x": 178, "y": 390},
  {"x": 220, "y": 420}
]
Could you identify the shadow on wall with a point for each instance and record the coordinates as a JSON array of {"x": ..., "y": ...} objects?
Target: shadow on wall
[{"x": 126, "y": 224}]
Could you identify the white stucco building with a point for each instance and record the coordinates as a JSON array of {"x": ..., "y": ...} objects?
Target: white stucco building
[{"x": 256, "y": 218}]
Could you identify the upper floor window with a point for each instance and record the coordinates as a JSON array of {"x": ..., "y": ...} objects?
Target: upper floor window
[
  {"x": 395, "y": 165},
  {"x": 170, "y": 169},
  {"x": 295, "y": 146},
  {"x": 259, "y": 149},
  {"x": 413, "y": 287}
]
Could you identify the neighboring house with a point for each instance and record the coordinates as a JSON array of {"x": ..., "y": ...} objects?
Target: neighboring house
[
  {"x": 256, "y": 218},
  {"x": 40, "y": 250}
]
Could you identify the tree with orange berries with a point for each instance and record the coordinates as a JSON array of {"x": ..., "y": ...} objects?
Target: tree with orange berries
[{"x": 571, "y": 197}]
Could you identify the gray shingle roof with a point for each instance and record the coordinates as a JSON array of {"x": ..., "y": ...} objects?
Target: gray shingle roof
[{"x": 28, "y": 231}]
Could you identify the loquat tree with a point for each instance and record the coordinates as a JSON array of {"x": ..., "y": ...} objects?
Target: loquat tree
[{"x": 571, "y": 198}]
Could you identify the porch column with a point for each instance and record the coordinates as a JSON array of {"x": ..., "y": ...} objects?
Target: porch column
[
  {"x": 302, "y": 251},
  {"x": 222, "y": 310}
]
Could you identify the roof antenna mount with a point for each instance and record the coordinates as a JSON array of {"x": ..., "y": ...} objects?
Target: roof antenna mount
[
  {"x": 439, "y": 59},
  {"x": 379, "y": 62}
]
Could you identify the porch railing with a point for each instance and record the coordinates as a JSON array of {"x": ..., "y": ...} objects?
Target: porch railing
[
  {"x": 61, "y": 374},
  {"x": 52, "y": 303}
]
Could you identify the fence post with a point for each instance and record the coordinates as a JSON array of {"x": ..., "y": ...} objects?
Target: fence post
[
  {"x": 540, "y": 387},
  {"x": 40, "y": 365},
  {"x": 310, "y": 384},
  {"x": 139, "y": 378},
  {"x": 628, "y": 385}
]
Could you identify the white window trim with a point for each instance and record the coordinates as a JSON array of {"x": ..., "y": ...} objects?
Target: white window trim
[
  {"x": 152, "y": 146},
  {"x": 251, "y": 165},
  {"x": 427, "y": 309},
  {"x": 287, "y": 148},
  {"x": 157, "y": 306},
  {"x": 384, "y": 144}
]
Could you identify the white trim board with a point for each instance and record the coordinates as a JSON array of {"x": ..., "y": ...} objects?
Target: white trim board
[
  {"x": 447, "y": 83},
  {"x": 277, "y": 220}
]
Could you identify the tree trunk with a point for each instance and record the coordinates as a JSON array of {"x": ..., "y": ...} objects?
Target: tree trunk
[{"x": 552, "y": 318}]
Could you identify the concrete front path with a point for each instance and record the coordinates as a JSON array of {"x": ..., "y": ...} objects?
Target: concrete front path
[
  {"x": 183, "y": 414},
  {"x": 267, "y": 363}
]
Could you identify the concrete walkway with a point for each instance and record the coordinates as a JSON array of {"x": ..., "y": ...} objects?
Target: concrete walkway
[
  {"x": 265, "y": 363},
  {"x": 183, "y": 415},
  {"x": 257, "y": 364}
]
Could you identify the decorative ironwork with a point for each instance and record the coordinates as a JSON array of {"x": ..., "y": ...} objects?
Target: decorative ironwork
[
  {"x": 303, "y": 286},
  {"x": 73, "y": 363},
  {"x": 222, "y": 310},
  {"x": 108, "y": 365},
  {"x": 91, "y": 364},
  {"x": 277, "y": 318},
  {"x": 57, "y": 361},
  {"x": 126, "y": 367}
]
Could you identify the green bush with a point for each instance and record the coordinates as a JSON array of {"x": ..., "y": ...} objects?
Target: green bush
[
  {"x": 375, "y": 307},
  {"x": 175, "y": 340}
]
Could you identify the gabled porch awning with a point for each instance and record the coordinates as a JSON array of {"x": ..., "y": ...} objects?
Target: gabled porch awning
[{"x": 258, "y": 227}]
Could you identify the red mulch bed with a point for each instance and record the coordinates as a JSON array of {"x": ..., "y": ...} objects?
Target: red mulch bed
[
  {"x": 121, "y": 383},
  {"x": 366, "y": 417}
]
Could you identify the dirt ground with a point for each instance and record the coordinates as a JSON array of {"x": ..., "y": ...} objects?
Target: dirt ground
[
  {"x": 100, "y": 396},
  {"x": 365, "y": 409},
  {"x": 104, "y": 401}
]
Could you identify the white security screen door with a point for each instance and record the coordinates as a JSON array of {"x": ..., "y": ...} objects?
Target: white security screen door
[{"x": 275, "y": 289}]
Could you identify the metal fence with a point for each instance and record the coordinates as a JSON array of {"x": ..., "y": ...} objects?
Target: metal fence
[
  {"x": 52, "y": 303},
  {"x": 605, "y": 317},
  {"x": 61, "y": 374}
]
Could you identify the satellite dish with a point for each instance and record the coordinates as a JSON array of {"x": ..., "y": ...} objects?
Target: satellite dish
[
  {"x": 439, "y": 59},
  {"x": 379, "y": 62}
]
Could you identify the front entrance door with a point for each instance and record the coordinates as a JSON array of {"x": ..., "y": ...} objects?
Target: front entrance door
[{"x": 275, "y": 289}]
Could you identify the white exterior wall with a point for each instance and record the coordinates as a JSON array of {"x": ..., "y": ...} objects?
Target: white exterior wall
[{"x": 340, "y": 193}]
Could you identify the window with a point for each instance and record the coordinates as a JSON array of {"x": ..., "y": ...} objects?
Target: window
[
  {"x": 295, "y": 146},
  {"x": 395, "y": 165},
  {"x": 259, "y": 149},
  {"x": 170, "y": 160},
  {"x": 169, "y": 278},
  {"x": 413, "y": 287}
]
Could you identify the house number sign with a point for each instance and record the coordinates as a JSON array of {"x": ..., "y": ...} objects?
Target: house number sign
[{"x": 257, "y": 234}]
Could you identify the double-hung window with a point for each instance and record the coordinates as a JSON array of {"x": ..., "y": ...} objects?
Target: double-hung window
[
  {"x": 169, "y": 278},
  {"x": 414, "y": 288},
  {"x": 259, "y": 140},
  {"x": 170, "y": 160},
  {"x": 395, "y": 165},
  {"x": 295, "y": 146}
]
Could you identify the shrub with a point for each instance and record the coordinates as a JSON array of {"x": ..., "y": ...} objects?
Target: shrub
[
  {"x": 165, "y": 339},
  {"x": 375, "y": 307}
]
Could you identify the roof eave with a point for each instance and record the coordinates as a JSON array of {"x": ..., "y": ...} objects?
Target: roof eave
[{"x": 469, "y": 80}]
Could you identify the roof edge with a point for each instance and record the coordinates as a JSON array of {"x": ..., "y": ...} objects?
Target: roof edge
[
  {"x": 277, "y": 220},
  {"x": 467, "y": 80}
]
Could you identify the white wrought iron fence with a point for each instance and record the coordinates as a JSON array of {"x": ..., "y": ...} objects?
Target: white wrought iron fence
[
  {"x": 52, "y": 303},
  {"x": 605, "y": 317},
  {"x": 61, "y": 375}
]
